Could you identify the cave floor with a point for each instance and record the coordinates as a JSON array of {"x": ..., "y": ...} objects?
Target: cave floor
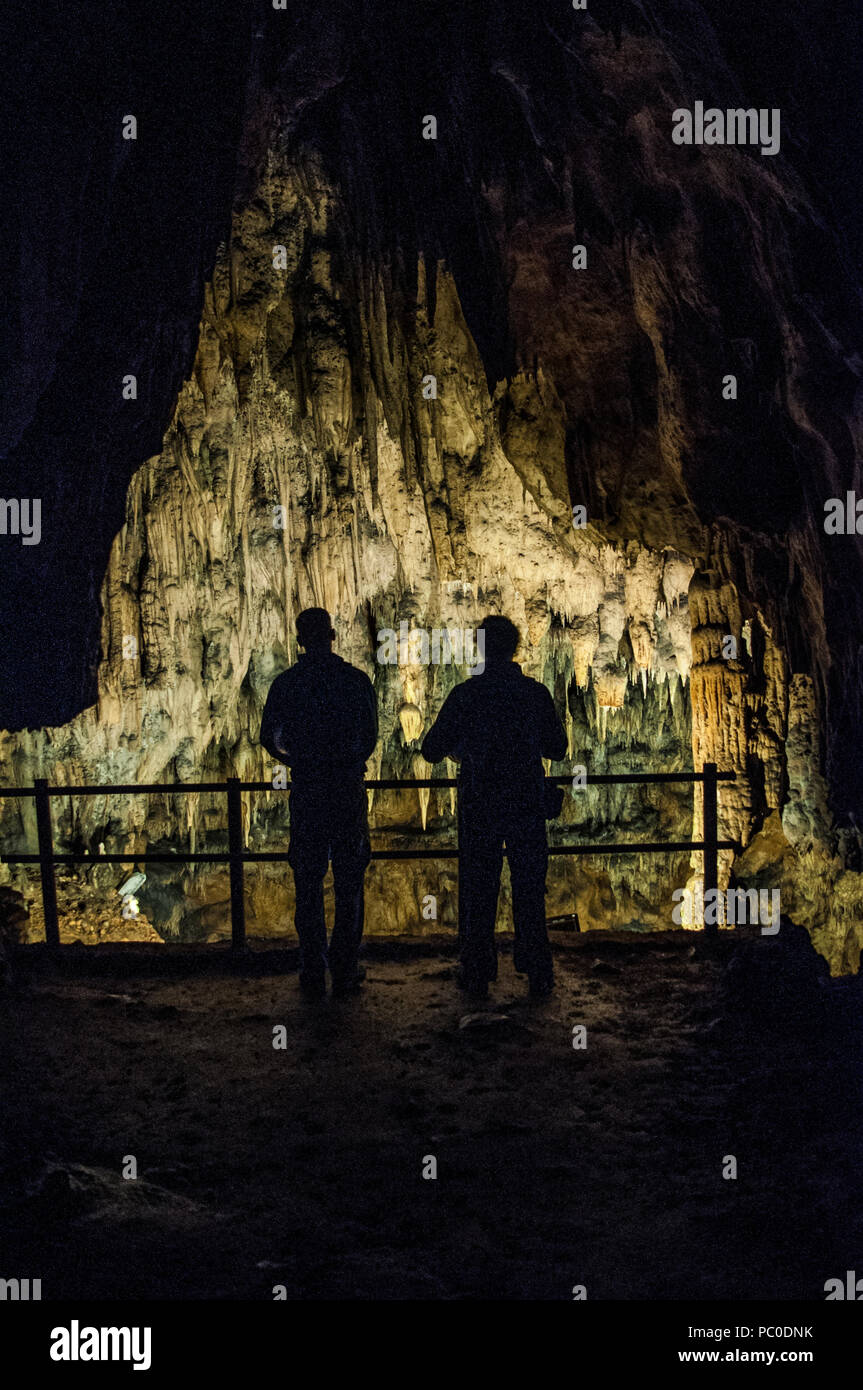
[{"x": 556, "y": 1166}]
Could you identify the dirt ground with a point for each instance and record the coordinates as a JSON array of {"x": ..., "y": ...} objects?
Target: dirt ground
[{"x": 557, "y": 1166}]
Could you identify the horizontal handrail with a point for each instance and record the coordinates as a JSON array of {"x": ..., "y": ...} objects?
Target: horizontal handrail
[
  {"x": 280, "y": 857},
  {"x": 606, "y": 777},
  {"x": 372, "y": 783},
  {"x": 185, "y": 787}
]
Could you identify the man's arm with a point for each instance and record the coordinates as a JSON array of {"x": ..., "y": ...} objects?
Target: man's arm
[
  {"x": 368, "y": 731},
  {"x": 552, "y": 735},
  {"x": 271, "y": 722},
  {"x": 442, "y": 739}
]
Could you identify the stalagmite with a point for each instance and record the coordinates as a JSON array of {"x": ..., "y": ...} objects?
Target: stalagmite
[
  {"x": 304, "y": 463},
  {"x": 420, "y": 770}
]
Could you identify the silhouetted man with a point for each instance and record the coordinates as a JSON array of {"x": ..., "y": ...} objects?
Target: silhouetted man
[
  {"x": 500, "y": 724},
  {"x": 321, "y": 720}
]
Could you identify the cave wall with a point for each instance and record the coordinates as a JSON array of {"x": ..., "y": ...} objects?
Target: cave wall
[{"x": 406, "y": 257}]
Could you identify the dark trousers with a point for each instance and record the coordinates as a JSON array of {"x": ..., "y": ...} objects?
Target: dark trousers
[
  {"x": 323, "y": 828},
  {"x": 481, "y": 842}
]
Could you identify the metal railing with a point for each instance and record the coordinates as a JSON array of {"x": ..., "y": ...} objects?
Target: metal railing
[{"x": 237, "y": 855}]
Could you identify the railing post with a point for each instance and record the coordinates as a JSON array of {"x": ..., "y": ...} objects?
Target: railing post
[
  {"x": 462, "y": 897},
  {"x": 235, "y": 850},
  {"x": 45, "y": 834},
  {"x": 711, "y": 835}
]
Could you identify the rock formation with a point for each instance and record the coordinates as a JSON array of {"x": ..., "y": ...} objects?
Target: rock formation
[{"x": 403, "y": 385}]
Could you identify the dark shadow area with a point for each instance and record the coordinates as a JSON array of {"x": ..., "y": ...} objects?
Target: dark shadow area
[{"x": 302, "y": 1166}]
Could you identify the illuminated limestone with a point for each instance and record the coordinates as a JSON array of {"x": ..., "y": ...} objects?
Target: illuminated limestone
[
  {"x": 306, "y": 464},
  {"x": 412, "y": 722},
  {"x": 267, "y": 498}
]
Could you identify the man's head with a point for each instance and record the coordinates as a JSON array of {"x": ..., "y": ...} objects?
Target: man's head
[
  {"x": 315, "y": 629},
  {"x": 501, "y": 640}
]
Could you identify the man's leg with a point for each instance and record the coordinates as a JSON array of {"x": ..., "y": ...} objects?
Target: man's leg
[
  {"x": 308, "y": 856},
  {"x": 351, "y": 856},
  {"x": 480, "y": 864},
  {"x": 527, "y": 852}
]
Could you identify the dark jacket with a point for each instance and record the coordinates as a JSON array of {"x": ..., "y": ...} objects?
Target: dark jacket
[
  {"x": 500, "y": 725},
  {"x": 321, "y": 719}
]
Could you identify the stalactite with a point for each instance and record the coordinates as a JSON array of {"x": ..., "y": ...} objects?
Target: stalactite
[{"x": 304, "y": 465}]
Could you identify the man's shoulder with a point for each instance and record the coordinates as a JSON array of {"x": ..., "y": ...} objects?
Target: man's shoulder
[
  {"x": 512, "y": 684},
  {"x": 537, "y": 690},
  {"x": 283, "y": 680},
  {"x": 530, "y": 696},
  {"x": 335, "y": 668},
  {"x": 354, "y": 674},
  {"x": 463, "y": 692}
]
